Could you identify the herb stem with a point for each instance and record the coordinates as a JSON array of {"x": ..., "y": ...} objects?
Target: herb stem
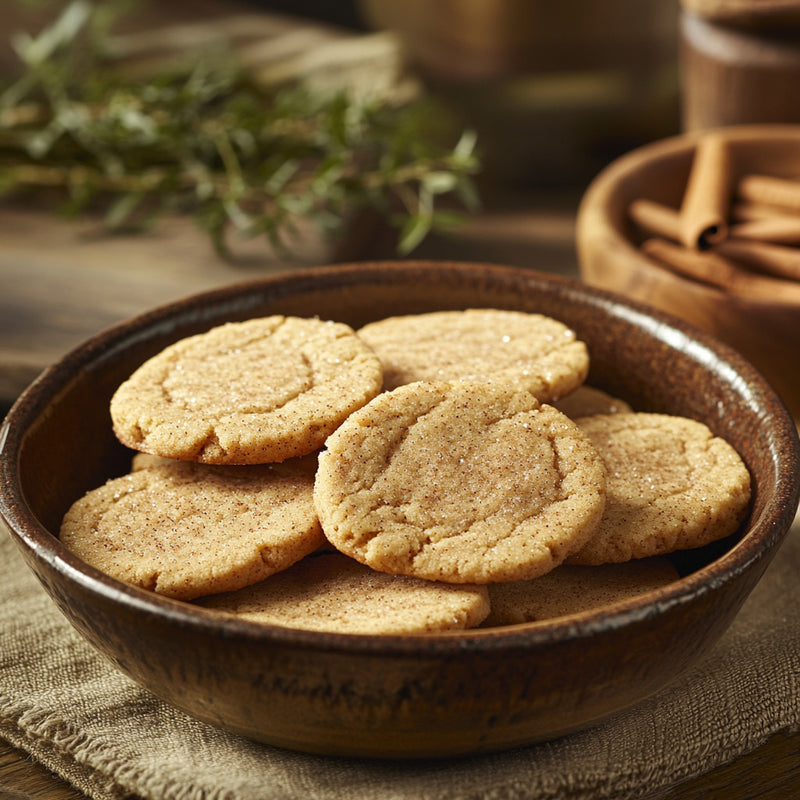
[{"x": 212, "y": 141}]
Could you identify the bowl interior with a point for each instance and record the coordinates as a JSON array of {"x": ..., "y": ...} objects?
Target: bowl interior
[
  {"x": 404, "y": 696},
  {"x": 66, "y": 445}
]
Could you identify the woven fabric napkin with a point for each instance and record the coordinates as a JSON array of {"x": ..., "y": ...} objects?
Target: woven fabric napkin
[{"x": 70, "y": 709}]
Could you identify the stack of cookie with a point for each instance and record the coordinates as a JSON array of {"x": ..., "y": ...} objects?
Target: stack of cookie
[{"x": 425, "y": 473}]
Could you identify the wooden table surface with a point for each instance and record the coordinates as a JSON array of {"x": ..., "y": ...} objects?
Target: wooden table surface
[{"x": 61, "y": 282}]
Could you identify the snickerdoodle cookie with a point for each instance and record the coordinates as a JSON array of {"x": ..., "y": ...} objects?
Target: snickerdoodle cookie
[
  {"x": 145, "y": 460},
  {"x": 186, "y": 530},
  {"x": 570, "y": 589},
  {"x": 331, "y": 592},
  {"x": 672, "y": 485},
  {"x": 529, "y": 351},
  {"x": 248, "y": 392},
  {"x": 460, "y": 482}
]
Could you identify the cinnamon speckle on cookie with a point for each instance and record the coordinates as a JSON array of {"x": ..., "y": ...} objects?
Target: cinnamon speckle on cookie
[
  {"x": 572, "y": 589},
  {"x": 530, "y": 351},
  {"x": 185, "y": 530},
  {"x": 672, "y": 485},
  {"x": 460, "y": 482},
  {"x": 249, "y": 392},
  {"x": 331, "y": 592}
]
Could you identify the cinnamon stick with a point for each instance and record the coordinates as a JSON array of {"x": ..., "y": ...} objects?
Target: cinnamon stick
[
  {"x": 746, "y": 210},
  {"x": 776, "y": 230},
  {"x": 772, "y": 259},
  {"x": 707, "y": 196},
  {"x": 717, "y": 271},
  {"x": 748, "y": 221},
  {"x": 656, "y": 219},
  {"x": 769, "y": 190}
]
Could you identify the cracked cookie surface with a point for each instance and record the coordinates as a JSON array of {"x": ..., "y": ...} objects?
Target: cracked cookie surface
[
  {"x": 248, "y": 392},
  {"x": 186, "y": 530},
  {"x": 460, "y": 482},
  {"x": 530, "y": 351},
  {"x": 331, "y": 592},
  {"x": 672, "y": 485}
]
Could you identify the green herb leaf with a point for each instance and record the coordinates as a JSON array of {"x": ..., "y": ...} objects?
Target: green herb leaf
[{"x": 212, "y": 142}]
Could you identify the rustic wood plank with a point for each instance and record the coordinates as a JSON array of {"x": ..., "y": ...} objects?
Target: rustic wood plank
[
  {"x": 21, "y": 778},
  {"x": 772, "y": 772},
  {"x": 64, "y": 281}
]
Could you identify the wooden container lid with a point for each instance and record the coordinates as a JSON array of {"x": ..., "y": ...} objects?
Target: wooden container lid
[
  {"x": 733, "y": 74},
  {"x": 746, "y": 13}
]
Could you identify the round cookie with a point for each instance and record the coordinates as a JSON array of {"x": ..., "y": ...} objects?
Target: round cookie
[
  {"x": 186, "y": 530},
  {"x": 587, "y": 400},
  {"x": 459, "y": 482},
  {"x": 332, "y": 592},
  {"x": 570, "y": 589},
  {"x": 529, "y": 351},
  {"x": 248, "y": 392},
  {"x": 672, "y": 485}
]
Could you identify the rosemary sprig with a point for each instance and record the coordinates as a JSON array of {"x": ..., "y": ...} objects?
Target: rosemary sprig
[{"x": 213, "y": 142}]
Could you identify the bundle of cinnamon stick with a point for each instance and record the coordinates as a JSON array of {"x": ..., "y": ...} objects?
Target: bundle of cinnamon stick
[{"x": 737, "y": 231}]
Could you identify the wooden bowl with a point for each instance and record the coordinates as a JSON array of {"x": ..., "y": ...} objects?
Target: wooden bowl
[
  {"x": 402, "y": 696},
  {"x": 766, "y": 332}
]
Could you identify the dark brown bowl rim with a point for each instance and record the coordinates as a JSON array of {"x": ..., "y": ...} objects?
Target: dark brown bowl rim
[{"x": 763, "y": 535}]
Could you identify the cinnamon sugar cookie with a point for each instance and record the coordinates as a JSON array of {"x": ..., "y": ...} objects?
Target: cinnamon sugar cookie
[
  {"x": 529, "y": 351},
  {"x": 459, "y": 482},
  {"x": 332, "y": 592},
  {"x": 146, "y": 460},
  {"x": 185, "y": 530},
  {"x": 301, "y": 464},
  {"x": 672, "y": 485},
  {"x": 570, "y": 589},
  {"x": 246, "y": 392}
]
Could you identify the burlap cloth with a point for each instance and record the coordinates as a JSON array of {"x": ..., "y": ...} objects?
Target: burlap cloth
[{"x": 71, "y": 710}]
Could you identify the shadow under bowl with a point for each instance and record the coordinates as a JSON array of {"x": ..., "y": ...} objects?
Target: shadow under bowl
[{"x": 402, "y": 696}]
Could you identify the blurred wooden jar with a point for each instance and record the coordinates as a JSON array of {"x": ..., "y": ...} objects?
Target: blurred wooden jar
[
  {"x": 554, "y": 89},
  {"x": 740, "y": 62}
]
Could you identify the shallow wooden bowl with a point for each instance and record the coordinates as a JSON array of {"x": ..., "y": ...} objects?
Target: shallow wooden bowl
[
  {"x": 402, "y": 696},
  {"x": 766, "y": 332}
]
